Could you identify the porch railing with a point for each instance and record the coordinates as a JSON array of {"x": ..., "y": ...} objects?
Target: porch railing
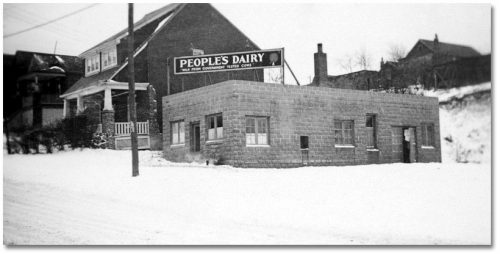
[{"x": 124, "y": 129}]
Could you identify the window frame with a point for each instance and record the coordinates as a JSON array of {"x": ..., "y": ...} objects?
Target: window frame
[
  {"x": 373, "y": 131},
  {"x": 343, "y": 130},
  {"x": 428, "y": 141},
  {"x": 216, "y": 137},
  {"x": 92, "y": 62},
  {"x": 111, "y": 58},
  {"x": 175, "y": 128},
  {"x": 256, "y": 120}
]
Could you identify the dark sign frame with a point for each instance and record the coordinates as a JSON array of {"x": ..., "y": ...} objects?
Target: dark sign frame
[{"x": 258, "y": 59}]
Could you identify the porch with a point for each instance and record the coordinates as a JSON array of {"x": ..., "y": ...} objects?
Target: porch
[{"x": 107, "y": 109}]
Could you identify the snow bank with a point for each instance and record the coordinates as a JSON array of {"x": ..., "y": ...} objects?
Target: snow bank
[
  {"x": 445, "y": 95},
  {"x": 89, "y": 197},
  {"x": 465, "y": 119}
]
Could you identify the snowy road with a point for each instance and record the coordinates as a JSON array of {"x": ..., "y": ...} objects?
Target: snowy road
[{"x": 88, "y": 197}]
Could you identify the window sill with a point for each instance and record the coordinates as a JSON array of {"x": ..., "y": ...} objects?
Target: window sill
[
  {"x": 428, "y": 147},
  {"x": 258, "y": 146},
  {"x": 88, "y": 74},
  {"x": 109, "y": 67},
  {"x": 177, "y": 145},
  {"x": 372, "y": 149},
  {"x": 215, "y": 141},
  {"x": 344, "y": 146}
]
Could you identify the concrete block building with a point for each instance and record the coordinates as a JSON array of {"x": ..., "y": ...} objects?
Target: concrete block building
[{"x": 255, "y": 124}]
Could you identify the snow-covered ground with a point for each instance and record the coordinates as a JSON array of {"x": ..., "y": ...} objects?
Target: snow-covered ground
[
  {"x": 89, "y": 197},
  {"x": 465, "y": 119}
]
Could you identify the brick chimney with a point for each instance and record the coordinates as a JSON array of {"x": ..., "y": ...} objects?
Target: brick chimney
[
  {"x": 436, "y": 42},
  {"x": 320, "y": 67},
  {"x": 436, "y": 57}
]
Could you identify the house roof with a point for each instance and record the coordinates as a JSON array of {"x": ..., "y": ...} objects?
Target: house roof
[
  {"x": 26, "y": 62},
  {"x": 90, "y": 81},
  {"x": 148, "y": 18},
  {"x": 450, "y": 49}
]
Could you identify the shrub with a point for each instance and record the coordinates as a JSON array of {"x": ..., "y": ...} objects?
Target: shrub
[{"x": 79, "y": 130}]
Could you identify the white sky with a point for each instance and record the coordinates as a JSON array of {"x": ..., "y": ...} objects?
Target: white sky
[{"x": 344, "y": 29}]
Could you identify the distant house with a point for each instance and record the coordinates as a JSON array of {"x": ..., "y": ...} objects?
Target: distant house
[
  {"x": 172, "y": 31},
  {"x": 33, "y": 82},
  {"x": 436, "y": 64},
  {"x": 359, "y": 80},
  {"x": 432, "y": 64},
  {"x": 439, "y": 52}
]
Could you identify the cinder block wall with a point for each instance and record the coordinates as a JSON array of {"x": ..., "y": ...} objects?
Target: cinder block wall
[{"x": 293, "y": 112}]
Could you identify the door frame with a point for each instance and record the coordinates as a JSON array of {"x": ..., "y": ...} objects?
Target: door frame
[{"x": 192, "y": 137}]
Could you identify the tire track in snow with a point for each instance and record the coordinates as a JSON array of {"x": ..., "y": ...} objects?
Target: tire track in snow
[{"x": 23, "y": 207}]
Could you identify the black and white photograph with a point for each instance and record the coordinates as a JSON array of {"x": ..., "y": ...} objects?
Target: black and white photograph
[{"x": 247, "y": 124}]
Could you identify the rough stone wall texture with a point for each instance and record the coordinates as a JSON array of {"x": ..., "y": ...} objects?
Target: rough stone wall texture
[
  {"x": 108, "y": 126},
  {"x": 293, "y": 112}
]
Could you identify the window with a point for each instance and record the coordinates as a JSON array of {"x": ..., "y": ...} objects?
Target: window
[
  {"x": 344, "y": 132},
  {"x": 371, "y": 136},
  {"x": 108, "y": 58},
  {"x": 177, "y": 132},
  {"x": 304, "y": 142},
  {"x": 92, "y": 64},
  {"x": 215, "y": 127},
  {"x": 428, "y": 135},
  {"x": 257, "y": 130}
]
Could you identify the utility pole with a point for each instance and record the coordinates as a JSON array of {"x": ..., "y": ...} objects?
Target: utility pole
[{"x": 131, "y": 89}]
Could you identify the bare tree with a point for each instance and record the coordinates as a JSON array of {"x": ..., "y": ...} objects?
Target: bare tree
[
  {"x": 396, "y": 52},
  {"x": 347, "y": 63},
  {"x": 363, "y": 59}
]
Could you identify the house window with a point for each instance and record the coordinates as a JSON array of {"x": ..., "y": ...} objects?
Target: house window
[
  {"x": 344, "y": 132},
  {"x": 428, "y": 135},
  {"x": 92, "y": 64},
  {"x": 177, "y": 132},
  {"x": 108, "y": 58},
  {"x": 215, "y": 127},
  {"x": 371, "y": 136},
  {"x": 257, "y": 130}
]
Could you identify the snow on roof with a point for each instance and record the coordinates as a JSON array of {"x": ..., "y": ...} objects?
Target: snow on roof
[
  {"x": 60, "y": 59},
  {"x": 163, "y": 22},
  {"x": 148, "y": 18},
  {"x": 57, "y": 68}
]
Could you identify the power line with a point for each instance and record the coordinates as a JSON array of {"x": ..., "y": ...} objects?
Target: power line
[
  {"x": 58, "y": 32},
  {"x": 60, "y": 26},
  {"x": 50, "y": 21}
]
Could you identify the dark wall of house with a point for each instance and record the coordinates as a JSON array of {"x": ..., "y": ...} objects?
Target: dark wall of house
[
  {"x": 465, "y": 71},
  {"x": 295, "y": 111},
  {"x": 140, "y": 61},
  {"x": 202, "y": 27}
]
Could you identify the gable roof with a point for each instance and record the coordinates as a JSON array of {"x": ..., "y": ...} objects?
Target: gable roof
[
  {"x": 449, "y": 48},
  {"x": 148, "y": 18}
]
